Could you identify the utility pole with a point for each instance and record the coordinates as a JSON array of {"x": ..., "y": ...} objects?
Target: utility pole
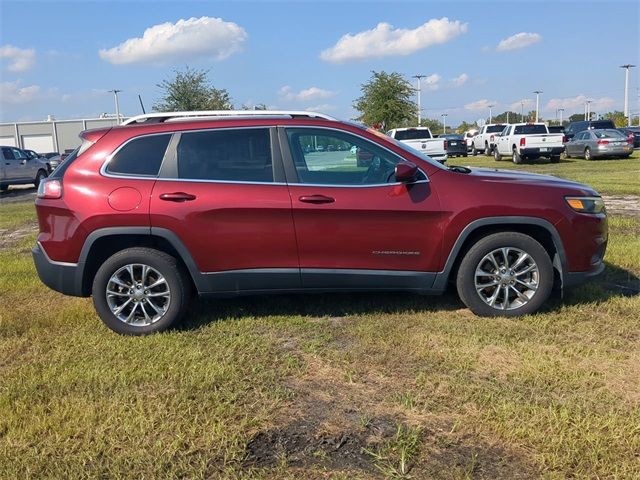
[
  {"x": 522, "y": 111},
  {"x": 626, "y": 92},
  {"x": 115, "y": 94},
  {"x": 490, "y": 112},
  {"x": 561, "y": 110},
  {"x": 507, "y": 116},
  {"x": 444, "y": 122},
  {"x": 537, "y": 92},
  {"x": 419, "y": 79},
  {"x": 587, "y": 110}
]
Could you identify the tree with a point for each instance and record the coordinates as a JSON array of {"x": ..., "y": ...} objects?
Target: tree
[
  {"x": 191, "y": 90},
  {"x": 576, "y": 117},
  {"x": 434, "y": 125},
  {"x": 502, "y": 117},
  {"x": 465, "y": 127},
  {"x": 618, "y": 118},
  {"x": 386, "y": 100}
]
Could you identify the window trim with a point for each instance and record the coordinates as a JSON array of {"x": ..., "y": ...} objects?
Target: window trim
[
  {"x": 290, "y": 168},
  {"x": 105, "y": 173}
]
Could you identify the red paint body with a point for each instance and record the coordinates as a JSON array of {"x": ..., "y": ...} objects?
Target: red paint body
[{"x": 232, "y": 226}]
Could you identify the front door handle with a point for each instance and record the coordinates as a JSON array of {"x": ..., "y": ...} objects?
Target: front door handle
[
  {"x": 177, "y": 197},
  {"x": 316, "y": 199}
]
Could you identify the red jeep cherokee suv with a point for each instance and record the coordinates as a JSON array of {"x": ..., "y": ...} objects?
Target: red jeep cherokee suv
[{"x": 234, "y": 203}]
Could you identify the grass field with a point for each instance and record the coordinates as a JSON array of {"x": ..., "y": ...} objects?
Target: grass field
[
  {"x": 327, "y": 386},
  {"x": 610, "y": 176}
]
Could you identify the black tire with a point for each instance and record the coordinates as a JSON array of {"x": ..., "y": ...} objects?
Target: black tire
[
  {"x": 517, "y": 159},
  {"x": 41, "y": 175},
  {"x": 4, "y": 188},
  {"x": 176, "y": 279},
  {"x": 465, "y": 155},
  {"x": 566, "y": 155},
  {"x": 472, "y": 260},
  {"x": 587, "y": 154},
  {"x": 555, "y": 158},
  {"x": 496, "y": 155},
  {"x": 487, "y": 149},
  {"x": 474, "y": 152}
]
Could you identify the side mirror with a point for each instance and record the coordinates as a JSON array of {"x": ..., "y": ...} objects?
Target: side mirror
[{"x": 406, "y": 172}]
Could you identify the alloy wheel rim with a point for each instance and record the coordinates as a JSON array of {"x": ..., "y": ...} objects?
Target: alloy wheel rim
[
  {"x": 507, "y": 278},
  {"x": 138, "y": 295}
]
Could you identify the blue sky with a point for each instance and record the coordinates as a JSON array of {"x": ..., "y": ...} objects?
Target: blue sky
[{"x": 272, "y": 53}]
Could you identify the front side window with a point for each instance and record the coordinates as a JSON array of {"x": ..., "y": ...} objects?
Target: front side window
[
  {"x": 240, "y": 155},
  {"x": 140, "y": 156},
  {"x": 324, "y": 157}
]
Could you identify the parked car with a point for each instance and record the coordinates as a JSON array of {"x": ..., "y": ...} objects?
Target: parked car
[
  {"x": 484, "y": 141},
  {"x": 575, "y": 127},
  {"x": 421, "y": 139},
  {"x": 456, "y": 144},
  {"x": 17, "y": 168},
  {"x": 47, "y": 163},
  {"x": 633, "y": 133},
  {"x": 592, "y": 144},
  {"x": 468, "y": 136},
  {"x": 522, "y": 141},
  {"x": 146, "y": 211}
]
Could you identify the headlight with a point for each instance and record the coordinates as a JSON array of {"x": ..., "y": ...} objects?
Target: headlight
[{"x": 586, "y": 204}]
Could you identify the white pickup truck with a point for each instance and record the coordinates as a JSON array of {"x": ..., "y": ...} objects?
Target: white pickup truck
[
  {"x": 521, "y": 141},
  {"x": 421, "y": 139},
  {"x": 485, "y": 139}
]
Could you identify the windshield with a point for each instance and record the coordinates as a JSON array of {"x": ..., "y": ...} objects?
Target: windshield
[
  {"x": 412, "y": 134},
  {"x": 495, "y": 128},
  {"x": 608, "y": 134}
]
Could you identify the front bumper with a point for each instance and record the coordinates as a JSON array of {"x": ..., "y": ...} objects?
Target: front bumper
[
  {"x": 59, "y": 276},
  {"x": 573, "y": 279}
]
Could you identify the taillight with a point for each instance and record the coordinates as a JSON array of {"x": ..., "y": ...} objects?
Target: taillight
[
  {"x": 565, "y": 139},
  {"x": 50, "y": 188},
  {"x": 603, "y": 142},
  {"x": 446, "y": 144},
  {"x": 630, "y": 139},
  {"x": 465, "y": 142},
  {"x": 523, "y": 141}
]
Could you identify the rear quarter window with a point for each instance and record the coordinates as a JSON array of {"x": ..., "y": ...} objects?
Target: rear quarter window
[{"x": 140, "y": 156}]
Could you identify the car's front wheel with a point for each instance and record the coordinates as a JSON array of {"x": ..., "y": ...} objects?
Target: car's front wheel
[
  {"x": 587, "y": 154},
  {"x": 505, "y": 274},
  {"x": 41, "y": 175},
  {"x": 139, "y": 291}
]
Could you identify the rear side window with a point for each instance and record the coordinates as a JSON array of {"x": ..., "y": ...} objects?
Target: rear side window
[
  {"x": 242, "y": 155},
  {"x": 530, "y": 129},
  {"x": 140, "y": 156}
]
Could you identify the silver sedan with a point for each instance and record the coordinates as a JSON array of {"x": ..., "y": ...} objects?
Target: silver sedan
[{"x": 591, "y": 144}]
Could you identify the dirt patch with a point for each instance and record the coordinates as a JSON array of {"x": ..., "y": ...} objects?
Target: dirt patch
[
  {"x": 10, "y": 237},
  {"x": 623, "y": 204}
]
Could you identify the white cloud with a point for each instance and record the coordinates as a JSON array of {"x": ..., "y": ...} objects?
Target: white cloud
[
  {"x": 20, "y": 59},
  {"x": 460, "y": 80},
  {"x": 322, "y": 108},
  {"x": 519, "y": 40},
  {"x": 308, "y": 94},
  {"x": 431, "y": 82},
  {"x": 480, "y": 104},
  {"x": 204, "y": 37},
  {"x": 13, "y": 93},
  {"x": 384, "y": 40},
  {"x": 577, "y": 103},
  {"x": 517, "y": 106}
]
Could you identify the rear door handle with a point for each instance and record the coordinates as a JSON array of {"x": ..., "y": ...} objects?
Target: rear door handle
[
  {"x": 177, "y": 197},
  {"x": 316, "y": 199}
]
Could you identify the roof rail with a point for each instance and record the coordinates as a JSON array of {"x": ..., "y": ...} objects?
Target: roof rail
[{"x": 205, "y": 114}]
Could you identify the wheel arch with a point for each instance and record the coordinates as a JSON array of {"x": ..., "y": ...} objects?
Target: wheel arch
[
  {"x": 537, "y": 228},
  {"x": 103, "y": 243}
]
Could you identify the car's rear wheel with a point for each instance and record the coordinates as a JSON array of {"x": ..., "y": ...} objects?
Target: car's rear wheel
[
  {"x": 474, "y": 152},
  {"x": 496, "y": 155},
  {"x": 555, "y": 158},
  {"x": 487, "y": 149},
  {"x": 505, "y": 274},
  {"x": 41, "y": 175},
  {"x": 139, "y": 291},
  {"x": 516, "y": 156},
  {"x": 587, "y": 154},
  {"x": 4, "y": 188}
]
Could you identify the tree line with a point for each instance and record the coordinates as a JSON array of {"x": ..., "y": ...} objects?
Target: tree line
[{"x": 386, "y": 102}]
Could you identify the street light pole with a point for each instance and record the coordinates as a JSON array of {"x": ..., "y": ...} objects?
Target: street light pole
[
  {"x": 587, "y": 110},
  {"x": 490, "y": 112},
  {"x": 561, "y": 110},
  {"x": 537, "y": 92},
  {"x": 419, "y": 79},
  {"x": 522, "y": 111},
  {"x": 626, "y": 92},
  {"x": 115, "y": 94},
  {"x": 444, "y": 122}
]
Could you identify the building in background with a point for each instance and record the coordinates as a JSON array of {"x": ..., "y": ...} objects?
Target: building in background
[{"x": 49, "y": 135}]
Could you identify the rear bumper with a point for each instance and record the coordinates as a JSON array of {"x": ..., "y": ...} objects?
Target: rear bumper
[
  {"x": 59, "y": 276},
  {"x": 536, "y": 151},
  {"x": 612, "y": 151}
]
